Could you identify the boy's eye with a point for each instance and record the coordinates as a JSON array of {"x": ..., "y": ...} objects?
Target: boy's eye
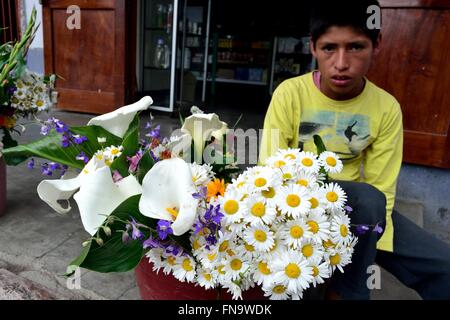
[
  {"x": 328, "y": 48},
  {"x": 356, "y": 47}
]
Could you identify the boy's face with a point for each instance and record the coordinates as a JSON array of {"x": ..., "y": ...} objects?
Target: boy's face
[{"x": 344, "y": 56}]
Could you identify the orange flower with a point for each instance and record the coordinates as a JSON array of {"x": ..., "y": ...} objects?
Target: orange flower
[
  {"x": 7, "y": 122},
  {"x": 215, "y": 188}
]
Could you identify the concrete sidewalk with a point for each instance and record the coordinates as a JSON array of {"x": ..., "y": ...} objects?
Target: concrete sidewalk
[{"x": 36, "y": 244}]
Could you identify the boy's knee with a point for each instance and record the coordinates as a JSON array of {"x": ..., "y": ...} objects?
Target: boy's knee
[{"x": 372, "y": 205}]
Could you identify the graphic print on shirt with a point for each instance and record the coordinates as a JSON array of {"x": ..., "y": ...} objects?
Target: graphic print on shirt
[{"x": 346, "y": 134}]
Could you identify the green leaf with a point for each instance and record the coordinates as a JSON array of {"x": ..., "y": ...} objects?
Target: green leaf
[
  {"x": 75, "y": 264},
  {"x": 145, "y": 165},
  {"x": 114, "y": 255},
  {"x": 319, "y": 144},
  {"x": 8, "y": 141}
]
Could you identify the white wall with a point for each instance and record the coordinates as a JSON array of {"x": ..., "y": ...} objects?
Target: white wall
[{"x": 35, "y": 59}]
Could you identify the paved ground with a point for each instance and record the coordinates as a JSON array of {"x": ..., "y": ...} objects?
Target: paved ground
[{"x": 36, "y": 244}]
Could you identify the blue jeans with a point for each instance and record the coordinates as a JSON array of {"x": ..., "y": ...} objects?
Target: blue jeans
[{"x": 420, "y": 260}]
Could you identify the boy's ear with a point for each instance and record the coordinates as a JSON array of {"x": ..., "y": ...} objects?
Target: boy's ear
[
  {"x": 312, "y": 48},
  {"x": 377, "y": 44}
]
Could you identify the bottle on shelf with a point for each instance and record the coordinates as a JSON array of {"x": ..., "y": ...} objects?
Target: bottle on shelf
[
  {"x": 162, "y": 55},
  {"x": 187, "y": 59},
  {"x": 159, "y": 15},
  {"x": 169, "y": 18}
]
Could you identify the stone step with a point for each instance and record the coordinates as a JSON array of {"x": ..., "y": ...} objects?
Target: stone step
[{"x": 412, "y": 209}]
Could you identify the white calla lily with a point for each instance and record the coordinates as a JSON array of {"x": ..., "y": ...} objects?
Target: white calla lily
[
  {"x": 167, "y": 194},
  {"x": 118, "y": 121},
  {"x": 97, "y": 197},
  {"x": 201, "y": 126}
]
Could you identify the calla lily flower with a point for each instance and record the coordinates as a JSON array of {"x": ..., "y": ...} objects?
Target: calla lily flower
[
  {"x": 118, "y": 121},
  {"x": 167, "y": 194},
  {"x": 201, "y": 127},
  {"x": 97, "y": 197}
]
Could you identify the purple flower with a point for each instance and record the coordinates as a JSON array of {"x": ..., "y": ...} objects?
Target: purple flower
[
  {"x": 79, "y": 139},
  {"x": 125, "y": 237},
  {"x": 136, "y": 233},
  {"x": 362, "y": 229},
  {"x": 30, "y": 164},
  {"x": 348, "y": 209},
  {"x": 173, "y": 249},
  {"x": 60, "y": 126},
  {"x": 54, "y": 166},
  {"x": 65, "y": 141},
  {"x": 378, "y": 229},
  {"x": 82, "y": 157},
  {"x": 45, "y": 129},
  {"x": 151, "y": 243},
  {"x": 64, "y": 169},
  {"x": 134, "y": 161},
  {"x": 46, "y": 170},
  {"x": 117, "y": 176},
  {"x": 155, "y": 133},
  {"x": 201, "y": 194},
  {"x": 155, "y": 158},
  {"x": 164, "y": 229},
  {"x": 148, "y": 125}
]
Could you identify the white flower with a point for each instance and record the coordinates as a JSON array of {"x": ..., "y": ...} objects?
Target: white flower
[
  {"x": 318, "y": 226},
  {"x": 207, "y": 278},
  {"x": 233, "y": 289},
  {"x": 262, "y": 274},
  {"x": 276, "y": 291},
  {"x": 335, "y": 197},
  {"x": 170, "y": 262},
  {"x": 167, "y": 191},
  {"x": 330, "y": 161},
  {"x": 294, "y": 232},
  {"x": 293, "y": 200},
  {"x": 258, "y": 211},
  {"x": 338, "y": 258},
  {"x": 201, "y": 174},
  {"x": 261, "y": 237},
  {"x": 97, "y": 197},
  {"x": 113, "y": 152},
  {"x": 232, "y": 207},
  {"x": 340, "y": 229},
  {"x": 289, "y": 154},
  {"x": 279, "y": 162},
  {"x": 292, "y": 270},
  {"x": 118, "y": 121},
  {"x": 306, "y": 179},
  {"x": 155, "y": 256},
  {"x": 234, "y": 266},
  {"x": 260, "y": 179},
  {"x": 101, "y": 140},
  {"x": 311, "y": 250},
  {"x": 321, "y": 271},
  {"x": 308, "y": 162},
  {"x": 184, "y": 270}
]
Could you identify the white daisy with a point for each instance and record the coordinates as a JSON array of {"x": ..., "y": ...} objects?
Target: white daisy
[
  {"x": 270, "y": 195},
  {"x": 233, "y": 289},
  {"x": 209, "y": 258},
  {"x": 289, "y": 154},
  {"x": 155, "y": 256},
  {"x": 258, "y": 211},
  {"x": 292, "y": 270},
  {"x": 235, "y": 266},
  {"x": 288, "y": 173},
  {"x": 184, "y": 270},
  {"x": 321, "y": 271},
  {"x": 318, "y": 204},
  {"x": 232, "y": 207},
  {"x": 311, "y": 250},
  {"x": 201, "y": 174},
  {"x": 113, "y": 152},
  {"x": 331, "y": 162},
  {"x": 279, "y": 162},
  {"x": 308, "y": 162},
  {"x": 207, "y": 278},
  {"x": 335, "y": 197},
  {"x": 293, "y": 201},
  {"x": 294, "y": 232},
  {"x": 276, "y": 291},
  {"x": 318, "y": 226},
  {"x": 261, "y": 237},
  {"x": 170, "y": 262},
  {"x": 305, "y": 179},
  {"x": 260, "y": 179},
  {"x": 262, "y": 274},
  {"x": 340, "y": 229},
  {"x": 338, "y": 258}
]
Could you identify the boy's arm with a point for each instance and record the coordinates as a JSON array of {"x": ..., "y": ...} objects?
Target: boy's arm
[
  {"x": 383, "y": 157},
  {"x": 278, "y": 131}
]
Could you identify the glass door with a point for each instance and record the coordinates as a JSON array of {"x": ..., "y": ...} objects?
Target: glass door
[{"x": 158, "y": 45}]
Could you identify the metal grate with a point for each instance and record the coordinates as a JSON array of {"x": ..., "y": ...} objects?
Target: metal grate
[{"x": 8, "y": 21}]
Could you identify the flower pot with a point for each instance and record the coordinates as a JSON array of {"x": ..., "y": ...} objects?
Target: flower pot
[
  {"x": 153, "y": 286},
  {"x": 2, "y": 186}
]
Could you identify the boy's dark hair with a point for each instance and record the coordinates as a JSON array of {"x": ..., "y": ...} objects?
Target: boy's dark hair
[{"x": 353, "y": 13}]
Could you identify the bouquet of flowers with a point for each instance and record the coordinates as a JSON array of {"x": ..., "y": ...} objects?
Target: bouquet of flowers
[
  {"x": 23, "y": 94},
  {"x": 281, "y": 226}
]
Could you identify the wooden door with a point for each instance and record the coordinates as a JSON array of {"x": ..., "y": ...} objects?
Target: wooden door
[
  {"x": 97, "y": 61},
  {"x": 413, "y": 65},
  {"x": 9, "y": 21}
]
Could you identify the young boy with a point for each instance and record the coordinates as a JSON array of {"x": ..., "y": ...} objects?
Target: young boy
[{"x": 362, "y": 123}]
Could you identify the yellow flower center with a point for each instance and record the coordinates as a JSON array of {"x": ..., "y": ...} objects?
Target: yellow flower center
[
  {"x": 269, "y": 194},
  {"x": 258, "y": 209},
  {"x": 187, "y": 265},
  {"x": 280, "y": 289},
  {"x": 332, "y": 196},
  {"x": 115, "y": 151},
  {"x": 293, "y": 200},
  {"x": 260, "y": 182},
  {"x": 220, "y": 269},
  {"x": 287, "y": 176},
  {"x": 173, "y": 212},
  {"x": 328, "y": 244},
  {"x": 331, "y": 161},
  {"x": 279, "y": 164},
  {"x": 240, "y": 184},
  {"x": 236, "y": 264},
  {"x": 292, "y": 270},
  {"x": 302, "y": 182},
  {"x": 315, "y": 271},
  {"x": 260, "y": 235},
  {"x": 249, "y": 247},
  {"x": 335, "y": 260},
  {"x": 290, "y": 156},
  {"x": 262, "y": 267},
  {"x": 344, "y": 230},
  {"x": 207, "y": 277},
  {"x": 231, "y": 207},
  {"x": 313, "y": 226},
  {"x": 307, "y": 162},
  {"x": 40, "y": 103},
  {"x": 211, "y": 256},
  {"x": 296, "y": 232},
  {"x": 230, "y": 252},
  {"x": 223, "y": 246},
  {"x": 196, "y": 245},
  {"x": 171, "y": 260},
  {"x": 314, "y": 203},
  {"x": 307, "y": 250}
]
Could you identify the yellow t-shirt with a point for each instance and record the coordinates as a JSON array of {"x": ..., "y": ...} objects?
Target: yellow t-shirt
[{"x": 366, "y": 132}]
